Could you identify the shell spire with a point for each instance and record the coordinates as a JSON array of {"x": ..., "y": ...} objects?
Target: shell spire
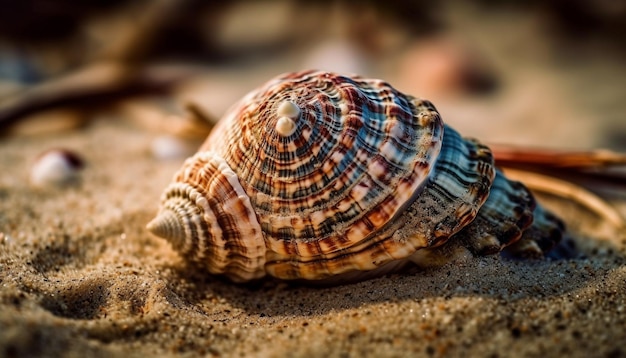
[{"x": 168, "y": 225}]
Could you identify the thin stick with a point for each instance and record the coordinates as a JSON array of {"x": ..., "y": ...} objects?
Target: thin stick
[
  {"x": 116, "y": 71},
  {"x": 507, "y": 155},
  {"x": 94, "y": 82},
  {"x": 549, "y": 185}
]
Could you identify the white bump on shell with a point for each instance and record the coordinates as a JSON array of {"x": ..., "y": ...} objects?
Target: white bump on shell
[
  {"x": 285, "y": 126},
  {"x": 288, "y": 109}
]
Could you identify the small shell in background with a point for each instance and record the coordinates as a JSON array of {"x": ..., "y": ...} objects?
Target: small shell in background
[
  {"x": 56, "y": 168},
  {"x": 338, "y": 56},
  {"x": 443, "y": 67},
  {"x": 169, "y": 147}
]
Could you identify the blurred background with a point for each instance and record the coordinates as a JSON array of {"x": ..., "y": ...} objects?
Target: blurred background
[{"x": 548, "y": 73}]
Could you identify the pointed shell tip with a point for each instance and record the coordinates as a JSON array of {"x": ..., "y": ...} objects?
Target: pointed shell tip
[{"x": 167, "y": 225}]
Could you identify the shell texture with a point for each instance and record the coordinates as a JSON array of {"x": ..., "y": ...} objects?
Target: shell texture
[{"x": 320, "y": 176}]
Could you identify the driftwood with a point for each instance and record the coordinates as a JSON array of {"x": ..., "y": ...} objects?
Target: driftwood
[{"x": 118, "y": 70}]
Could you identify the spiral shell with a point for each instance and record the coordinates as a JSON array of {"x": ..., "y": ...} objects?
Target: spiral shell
[{"x": 321, "y": 176}]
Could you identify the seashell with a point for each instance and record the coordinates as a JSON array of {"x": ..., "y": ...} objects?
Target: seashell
[
  {"x": 319, "y": 176},
  {"x": 56, "y": 168}
]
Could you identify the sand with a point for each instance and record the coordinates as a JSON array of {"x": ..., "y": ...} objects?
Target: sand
[{"x": 80, "y": 276}]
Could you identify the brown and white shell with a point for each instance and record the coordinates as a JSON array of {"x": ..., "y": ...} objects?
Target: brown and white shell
[{"x": 320, "y": 176}]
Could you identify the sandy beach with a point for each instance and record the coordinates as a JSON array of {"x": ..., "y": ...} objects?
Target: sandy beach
[{"x": 80, "y": 276}]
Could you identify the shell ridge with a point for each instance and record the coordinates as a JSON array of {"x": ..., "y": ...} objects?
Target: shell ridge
[
  {"x": 366, "y": 140},
  {"x": 431, "y": 227},
  {"x": 316, "y": 174}
]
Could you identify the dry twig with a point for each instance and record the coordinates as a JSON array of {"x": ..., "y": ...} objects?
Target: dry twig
[
  {"x": 561, "y": 188},
  {"x": 512, "y": 156}
]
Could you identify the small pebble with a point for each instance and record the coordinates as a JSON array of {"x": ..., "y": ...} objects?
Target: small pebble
[
  {"x": 56, "y": 167},
  {"x": 167, "y": 147},
  {"x": 337, "y": 56}
]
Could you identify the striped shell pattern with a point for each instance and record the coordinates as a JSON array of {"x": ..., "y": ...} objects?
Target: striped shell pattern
[{"x": 319, "y": 176}]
